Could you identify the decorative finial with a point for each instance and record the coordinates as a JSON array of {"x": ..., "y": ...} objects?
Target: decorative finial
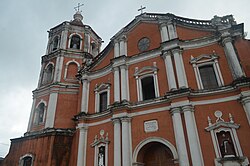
[
  {"x": 231, "y": 118},
  {"x": 141, "y": 9},
  {"x": 218, "y": 115},
  {"x": 77, "y": 8},
  {"x": 209, "y": 121}
]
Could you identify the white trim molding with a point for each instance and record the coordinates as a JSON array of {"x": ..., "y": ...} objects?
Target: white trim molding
[{"x": 205, "y": 60}]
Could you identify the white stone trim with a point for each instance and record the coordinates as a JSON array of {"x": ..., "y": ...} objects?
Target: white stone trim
[
  {"x": 51, "y": 111},
  {"x": 116, "y": 84},
  {"x": 63, "y": 39},
  {"x": 172, "y": 31},
  {"x": 97, "y": 151},
  {"x": 126, "y": 140},
  {"x": 45, "y": 74},
  {"x": 164, "y": 32},
  {"x": 154, "y": 139},
  {"x": 70, "y": 36},
  {"x": 116, "y": 49},
  {"x": 58, "y": 69},
  {"x": 124, "y": 83},
  {"x": 36, "y": 112}
]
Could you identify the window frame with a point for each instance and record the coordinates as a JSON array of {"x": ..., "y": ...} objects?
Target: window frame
[
  {"x": 21, "y": 159},
  {"x": 147, "y": 71},
  {"x": 104, "y": 87},
  {"x": 37, "y": 113},
  {"x": 69, "y": 41},
  {"x": 206, "y": 60},
  {"x": 45, "y": 74},
  {"x": 66, "y": 70}
]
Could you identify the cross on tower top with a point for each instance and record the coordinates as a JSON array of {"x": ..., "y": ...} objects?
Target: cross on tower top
[
  {"x": 77, "y": 8},
  {"x": 141, "y": 9}
]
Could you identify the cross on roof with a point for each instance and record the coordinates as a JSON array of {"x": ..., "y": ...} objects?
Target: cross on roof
[
  {"x": 141, "y": 9},
  {"x": 77, "y": 8}
]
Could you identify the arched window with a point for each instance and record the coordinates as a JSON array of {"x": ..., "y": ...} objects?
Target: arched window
[
  {"x": 48, "y": 74},
  {"x": 40, "y": 113},
  {"x": 26, "y": 160},
  {"x": 75, "y": 42},
  {"x": 55, "y": 43},
  {"x": 72, "y": 70}
]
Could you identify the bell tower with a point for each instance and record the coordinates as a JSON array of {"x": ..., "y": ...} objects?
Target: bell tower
[{"x": 57, "y": 98}]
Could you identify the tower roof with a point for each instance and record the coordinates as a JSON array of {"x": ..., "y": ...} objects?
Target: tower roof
[{"x": 77, "y": 19}]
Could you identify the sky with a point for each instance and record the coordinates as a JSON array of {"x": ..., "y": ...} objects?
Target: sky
[{"x": 23, "y": 40}]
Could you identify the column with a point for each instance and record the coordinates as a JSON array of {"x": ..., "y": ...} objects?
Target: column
[
  {"x": 84, "y": 102},
  {"x": 172, "y": 31},
  {"x": 126, "y": 159},
  {"x": 179, "y": 137},
  {"x": 193, "y": 138},
  {"x": 164, "y": 32},
  {"x": 51, "y": 111},
  {"x": 64, "y": 39},
  {"x": 169, "y": 70},
  {"x": 181, "y": 75},
  {"x": 116, "y": 49},
  {"x": 124, "y": 88},
  {"x": 117, "y": 142},
  {"x": 232, "y": 59},
  {"x": 82, "y": 145},
  {"x": 58, "y": 69},
  {"x": 245, "y": 100}
]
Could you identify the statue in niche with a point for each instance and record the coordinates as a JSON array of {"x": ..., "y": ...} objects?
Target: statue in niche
[
  {"x": 101, "y": 156},
  {"x": 226, "y": 144}
]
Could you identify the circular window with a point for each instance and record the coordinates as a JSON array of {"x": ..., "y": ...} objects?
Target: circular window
[{"x": 143, "y": 44}]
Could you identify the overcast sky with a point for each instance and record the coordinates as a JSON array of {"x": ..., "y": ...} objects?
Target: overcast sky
[{"x": 23, "y": 40}]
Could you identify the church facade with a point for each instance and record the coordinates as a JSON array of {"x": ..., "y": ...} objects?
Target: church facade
[{"x": 166, "y": 90}]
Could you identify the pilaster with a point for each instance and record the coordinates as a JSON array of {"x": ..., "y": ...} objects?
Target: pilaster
[
  {"x": 117, "y": 141},
  {"x": 124, "y": 82},
  {"x": 179, "y": 136},
  {"x": 192, "y": 133},
  {"x": 232, "y": 58},
  {"x": 126, "y": 156},
  {"x": 116, "y": 84},
  {"x": 180, "y": 70},
  {"x": 84, "y": 101},
  {"x": 82, "y": 145},
  {"x": 169, "y": 70},
  {"x": 245, "y": 101},
  {"x": 50, "y": 118},
  {"x": 164, "y": 32}
]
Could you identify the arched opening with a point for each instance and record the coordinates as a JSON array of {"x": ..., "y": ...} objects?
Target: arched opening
[
  {"x": 75, "y": 42},
  {"x": 154, "y": 151},
  {"x": 72, "y": 70}
]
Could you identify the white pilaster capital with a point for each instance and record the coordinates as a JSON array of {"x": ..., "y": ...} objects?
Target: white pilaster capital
[
  {"x": 124, "y": 67},
  {"x": 175, "y": 110},
  {"x": 245, "y": 99},
  {"x": 123, "y": 38},
  {"x": 125, "y": 119},
  {"x": 116, "y": 121},
  {"x": 165, "y": 53},
  {"x": 176, "y": 50},
  {"x": 227, "y": 39},
  {"x": 188, "y": 108},
  {"x": 115, "y": 69},
  {"x": 82, "y": 127}
]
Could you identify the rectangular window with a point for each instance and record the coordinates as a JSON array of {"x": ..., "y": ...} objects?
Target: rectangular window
[
  {"x": 103, "y": 101},
  {"x": 148, "y": 88},
  {"x": 208, "y": 77}
]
